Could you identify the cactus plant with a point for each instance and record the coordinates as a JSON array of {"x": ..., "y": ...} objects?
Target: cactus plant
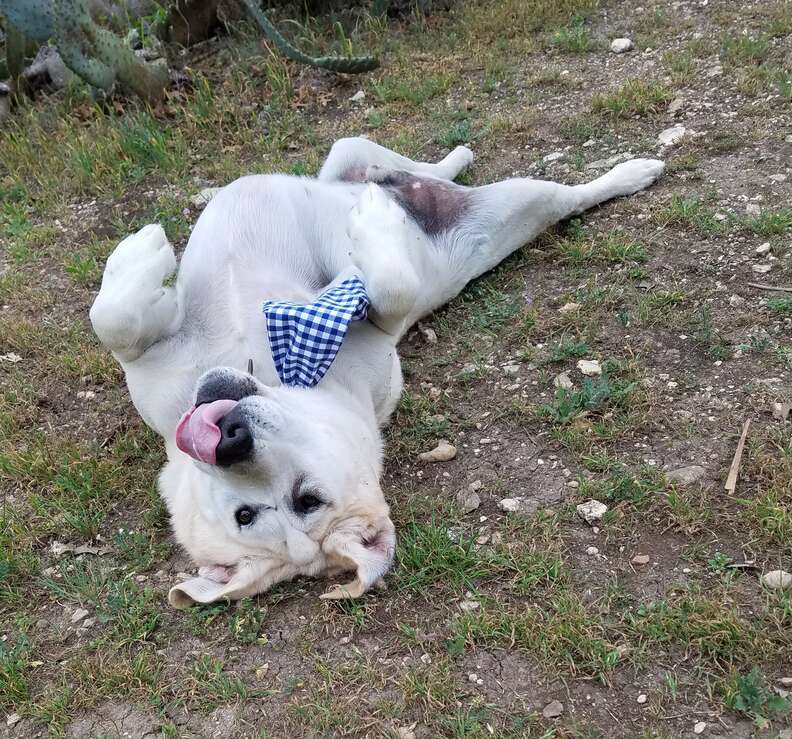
[
  {"x": 350, "y": 65},
  {"x": 94, "y": 53}
]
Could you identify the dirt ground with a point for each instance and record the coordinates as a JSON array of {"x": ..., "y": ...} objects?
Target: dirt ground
[{"x": 500, "y": 619}]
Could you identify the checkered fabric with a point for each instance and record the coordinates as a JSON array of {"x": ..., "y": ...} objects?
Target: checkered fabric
[{"x": 306, "y": 338}]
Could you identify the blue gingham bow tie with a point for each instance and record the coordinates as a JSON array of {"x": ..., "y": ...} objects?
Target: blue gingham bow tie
[{"x": 306, "y": 338}]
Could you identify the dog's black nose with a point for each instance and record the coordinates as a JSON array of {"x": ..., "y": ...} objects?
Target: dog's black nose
[{"x": 236, "y": 442}]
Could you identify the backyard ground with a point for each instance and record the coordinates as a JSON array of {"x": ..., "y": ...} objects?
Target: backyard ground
[{"x": 652, "y": 623}]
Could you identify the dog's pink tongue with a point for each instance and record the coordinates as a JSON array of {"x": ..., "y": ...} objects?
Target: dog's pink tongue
[{"x": 197, "y": 433}]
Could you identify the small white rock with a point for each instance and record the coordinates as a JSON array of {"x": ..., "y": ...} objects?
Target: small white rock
[
  {"x": 686, "y": 475},
  {"x": 468, "y": 500},
  {"x": 762, "y": 269},
  {"x": 79, "y": 615},
  {"x": 640, "y": 559},
  {"x": 676, "y": 105},
  {"x": 620, "y": 45},
  {"x": 592, "y": 551},
  {"x": 672, "y": 135},
  {"x": 699, "y": 727},
  {"x": 735, "y": 301},
  {"x": 443, "y": 452},
  {"x": 592, "y": 511},
  {"x": 10, "y": 357},
  {"x": 763, "y": 249},
  {"x": 777, "y": 579},
  {"x": 469, "y": 605},
  {"x": 642, "y": 698},
  {"x": 554, "y": 157},
  {"x": 12, "y": 719},
  {"x": 589, "y": 367},
  {"x": 203, "y": 197},
  {"x": 562, "y": 380},
  {"x": 753, "y": 209},
  {"x": 553, "y": 709},
  {"x": 511, "y": 505},
  {"x": 569, "y": 308},
  {"x": 358, "y": 97}
]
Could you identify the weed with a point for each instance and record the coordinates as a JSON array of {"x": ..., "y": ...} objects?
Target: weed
[
  {"x": 429, "y": 555},
  {"x": 458, "y": 133},
  {"x": 780, "y": 306},
  {"x": 594, "y": 397},
  {"x": 693, "y": 214},
  {"x": 574, "y": 38},
  {"x": 634, "y": 98},
  {"x": 13, "y": 672},
  {"x": 744, "y": 50},
  {"x": 749, "y": 695},
  {"x": 412, "y": 91},
  {"x": 770, "y": 222}
]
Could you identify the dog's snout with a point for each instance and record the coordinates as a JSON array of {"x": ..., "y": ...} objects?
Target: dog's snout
[
  {"x": 224, "y": 384},
  {"x": 236, "y": 441}
]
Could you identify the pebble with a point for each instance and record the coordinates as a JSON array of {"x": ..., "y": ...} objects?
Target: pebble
[
  {"x": 553, "y": 709},
  {"x": 699, "y": 727},
  {"x": 610, "y": 161},
  {"x": 642, "y": 698},
  {"x": 786, "y": 681},
  {"x": 672, "y": 135},
  {"x": 468, "y": 500},
  {"x": 778, "y": 178},
  {"x": 469, "y": 605},
  {"x": 12, "y": 719},
  {"x": 777, "y": 579},
  {"x": 640, "y": 559},
  {"x": 735, "y": 301},
  {"x": 358, "y": 97},
  {"x": 562, "y": 380},
  {"x": 203, "y": 197},
  {"x": 554, "y": 157},
  {"x": 762, "y": 269},
  {"x": 443, "y": 452},
  {"x": 79, "y": 615},
  {"x": 763, "y": 249},
  {"x": 753, "y": 209},
  {"x": 685, "y": 476},
  {"x": 592, "y": 551},
  {"x": 620, "y": 45},
  {"x": 676, "y": 105},
  {"x": 511, "y": 369},
  {"x": 10, "y": 357},
  {"x": 589, "y": 367},
  {"x": 592, "y": 511},
  {"x": 512, "y": 505},
  {"x": 569, "y": 308}
]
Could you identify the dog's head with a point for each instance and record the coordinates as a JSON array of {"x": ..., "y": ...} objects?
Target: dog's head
[{"x": 283, "y": 481}]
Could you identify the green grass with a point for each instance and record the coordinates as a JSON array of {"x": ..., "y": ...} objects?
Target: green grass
[
  {"x": 596, "y": 396},
  {"x": 770, "y": 222},
  {"x": 612, "y": 248},
  {"x": 574, "y": 38},
  {"x": 634, "y": 98},
  {"x": 693, "y": 214}
]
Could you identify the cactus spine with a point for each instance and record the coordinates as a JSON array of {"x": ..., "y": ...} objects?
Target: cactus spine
[{"x": 350, "y": 65}]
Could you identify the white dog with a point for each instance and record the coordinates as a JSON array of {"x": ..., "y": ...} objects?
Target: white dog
[{"x": 266, "y": 481}]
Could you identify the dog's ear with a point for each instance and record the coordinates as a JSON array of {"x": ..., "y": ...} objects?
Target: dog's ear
[
  {"x": 247, "y": 579},
  {"x": 365, "y": 544}
]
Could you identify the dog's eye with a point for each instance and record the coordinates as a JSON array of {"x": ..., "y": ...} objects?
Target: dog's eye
[
  {"x": 306, "y": 503},
  {"x": 244, "y": 516}
]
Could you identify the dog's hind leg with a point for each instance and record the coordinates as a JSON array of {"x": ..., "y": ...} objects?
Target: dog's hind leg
[
  {"x": 491, "y": 222},
  {"x": 135, "y": 307},
  {"x": 350, "y": 158}
]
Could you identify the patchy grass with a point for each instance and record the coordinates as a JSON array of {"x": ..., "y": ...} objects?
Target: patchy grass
[
  {"x": 653, "y": 276},
  {"x": 634, "y": 98}
]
